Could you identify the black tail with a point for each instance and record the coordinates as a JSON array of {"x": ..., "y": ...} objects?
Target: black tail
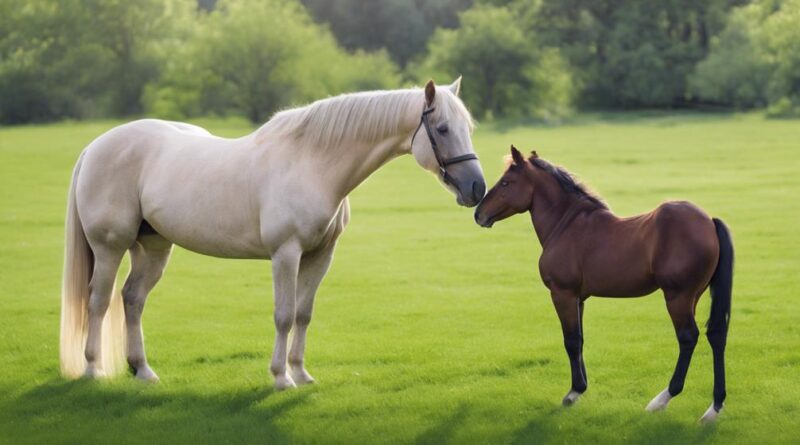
[
  {"x": 721, "y": 284},
  {"x": 717, "y": 331}
]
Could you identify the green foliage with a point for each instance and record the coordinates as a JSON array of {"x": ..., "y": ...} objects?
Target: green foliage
[
  {"x": 628, "y": 53},
  {"x": 79, "y": 58},
  {"x": 254, "y": 57},
  {"x": 755, "y": 61},
  {"x": 402, "y": 27},
  {"x": 506, "y": 73},
  {"x": 178, "y": 58}
]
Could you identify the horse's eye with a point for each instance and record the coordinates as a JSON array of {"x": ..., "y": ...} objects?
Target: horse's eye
[
  {"x": 504, "y": 183},
  {"x": 442, "y": 128}
]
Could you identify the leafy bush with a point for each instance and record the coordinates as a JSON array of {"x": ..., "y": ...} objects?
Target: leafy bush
[
  {"x": 255, "y": 57},
  {"x": 506, "y": 73},
  {"x": 755, "y": 61},
  {"x": 79, "y": 58}
]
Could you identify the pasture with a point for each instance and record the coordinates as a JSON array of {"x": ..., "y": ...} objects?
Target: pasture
[{"x": 428, "y": 329}]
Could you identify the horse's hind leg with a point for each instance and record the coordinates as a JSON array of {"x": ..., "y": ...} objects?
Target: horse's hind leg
[
  {"x": 681, "y": 309},
  {"x": 149, "y": 257},
  {"x": 106, "y": 264}
]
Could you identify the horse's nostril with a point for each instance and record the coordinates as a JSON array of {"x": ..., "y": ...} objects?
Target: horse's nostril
[{"x": 478, "y": 190}]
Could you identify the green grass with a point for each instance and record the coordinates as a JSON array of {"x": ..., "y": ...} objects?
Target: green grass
[{"x": 428, "y": 329}]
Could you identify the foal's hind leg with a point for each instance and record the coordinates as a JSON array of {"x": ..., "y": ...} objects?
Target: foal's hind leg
[
  {"x": 149, "y": 257},
  {"x": 681, "y": 309},
  {"x": 312, "y": 269}
]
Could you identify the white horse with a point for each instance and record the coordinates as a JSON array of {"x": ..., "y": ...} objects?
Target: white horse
[{"x": 279, "y": 193}]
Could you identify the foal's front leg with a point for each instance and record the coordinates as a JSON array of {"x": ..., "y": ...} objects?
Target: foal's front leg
[
  {"x": 569, "y": 306},
  {"x": 285, "y": 265}
]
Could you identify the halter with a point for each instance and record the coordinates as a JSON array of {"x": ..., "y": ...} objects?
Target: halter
[{"x": 443, "y": 163}]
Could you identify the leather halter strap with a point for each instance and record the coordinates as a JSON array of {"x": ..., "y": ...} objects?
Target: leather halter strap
[{"x": 440, "y": 159}]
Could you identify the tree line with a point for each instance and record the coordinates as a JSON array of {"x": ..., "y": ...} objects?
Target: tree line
[{"x": 535, "y": 58}]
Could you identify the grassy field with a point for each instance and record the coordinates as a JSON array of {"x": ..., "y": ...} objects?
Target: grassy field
[{"x": 428, "y": 329}]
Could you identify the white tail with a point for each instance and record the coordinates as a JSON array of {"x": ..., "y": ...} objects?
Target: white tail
[{"x": 78, "y": 265}]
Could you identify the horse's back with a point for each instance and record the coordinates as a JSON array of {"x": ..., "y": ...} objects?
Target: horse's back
[{"x": 165, "y": 173}]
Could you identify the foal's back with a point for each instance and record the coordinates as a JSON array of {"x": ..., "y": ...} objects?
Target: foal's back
[{"x": 611, "y": 256}]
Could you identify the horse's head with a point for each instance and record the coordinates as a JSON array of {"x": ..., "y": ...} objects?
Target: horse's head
[
  {"x": 442, "y": 143},
  {"x": 512, "y": 194}
]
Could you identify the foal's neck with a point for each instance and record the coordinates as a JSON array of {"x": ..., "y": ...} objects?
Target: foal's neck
[{"x": 552, "y": 208}]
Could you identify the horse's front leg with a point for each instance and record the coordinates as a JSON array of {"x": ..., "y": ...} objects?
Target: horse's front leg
[
  {"x": 285, "y": 265},
  {"x": 568, "y": 306},
  {"x": 313, "y": 268}
]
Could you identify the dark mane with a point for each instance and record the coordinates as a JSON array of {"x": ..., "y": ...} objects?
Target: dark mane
[{"x": 568, "y": 182}]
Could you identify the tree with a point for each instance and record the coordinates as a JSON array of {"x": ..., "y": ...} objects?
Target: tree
[
  {"x": 402, "y": 27},
  {"x": 255, "y": 57},
  {"x": 755, "y": 61},
  {"x": 79, "y": 58},
  {"x": 505, "y": 71},
  {"x": 627, "y": 52}
]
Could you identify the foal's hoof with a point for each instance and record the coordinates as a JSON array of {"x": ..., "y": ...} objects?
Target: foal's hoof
[
  {"x": 711, "y": 415},
  {"x": 284, "y": 382},
  {"x": 571, "y": 397},
  {"x": 145, "y": 374},
  {"x": 660, "y": 401},
  {"x": 301, "y": 377}
]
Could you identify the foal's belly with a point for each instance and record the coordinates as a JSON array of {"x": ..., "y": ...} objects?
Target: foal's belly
[{"x": 623, "y": 272}]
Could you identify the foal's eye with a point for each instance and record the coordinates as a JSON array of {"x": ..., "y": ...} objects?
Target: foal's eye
[
  {"x": 442, "y": 128},
  {"x": 504, "y": 183}
]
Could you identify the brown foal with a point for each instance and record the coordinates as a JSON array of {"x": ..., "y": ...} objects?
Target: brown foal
[{"x": 587, "y": 250}]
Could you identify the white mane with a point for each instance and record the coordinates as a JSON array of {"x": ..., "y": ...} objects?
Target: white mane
[{"x": 365, "y": 116}]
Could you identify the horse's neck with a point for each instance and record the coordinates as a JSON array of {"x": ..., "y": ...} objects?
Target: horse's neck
[
  {"x": 342, "y": 169},
  {"x": 551, "y": 206}
]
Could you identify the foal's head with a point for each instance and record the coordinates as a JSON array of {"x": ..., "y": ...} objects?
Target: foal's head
[
  {"x": 442, "y": 143},
  {"x": 512, "y": 194}
]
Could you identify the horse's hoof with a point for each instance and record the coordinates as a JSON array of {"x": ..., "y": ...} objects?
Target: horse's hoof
[
  {"x": 145, "y": 374},
  {"x": 571, "y": 397},
  {"x": 301, "y": 377},
  {"x": 711, "y": 415},
  {"x": 659, "y": 402},
  {"x": 284, "y": 382},
  {"x": 93, "y": 372}
]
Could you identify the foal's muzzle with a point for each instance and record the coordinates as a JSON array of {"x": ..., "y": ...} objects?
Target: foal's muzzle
[{"x": 483, "y": 220}]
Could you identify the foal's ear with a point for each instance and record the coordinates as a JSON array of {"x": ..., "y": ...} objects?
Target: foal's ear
[
  {"x": 517, "y": 156},
  {"x": 455, "y": 87},
  {"x": 430, "y": 92}
]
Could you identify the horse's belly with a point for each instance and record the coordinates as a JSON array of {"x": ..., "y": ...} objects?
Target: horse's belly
[
  {"x": 220, "y": 244},
  {"x": 207, "y": 224}
]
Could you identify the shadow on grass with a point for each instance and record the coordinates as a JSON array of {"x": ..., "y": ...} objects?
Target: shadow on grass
[
  {"x": 555, "y": 427},
  {"x": 444, "y": 430},
  {"x": 82, "y": 411}
]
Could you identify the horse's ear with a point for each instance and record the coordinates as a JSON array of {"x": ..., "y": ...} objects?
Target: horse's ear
[
  {"x": 430, "y": 92},
  {"x": 517, "y": 156},
  {"x": 455, "y": 87},
  {"x": 534, "y": 155}
]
